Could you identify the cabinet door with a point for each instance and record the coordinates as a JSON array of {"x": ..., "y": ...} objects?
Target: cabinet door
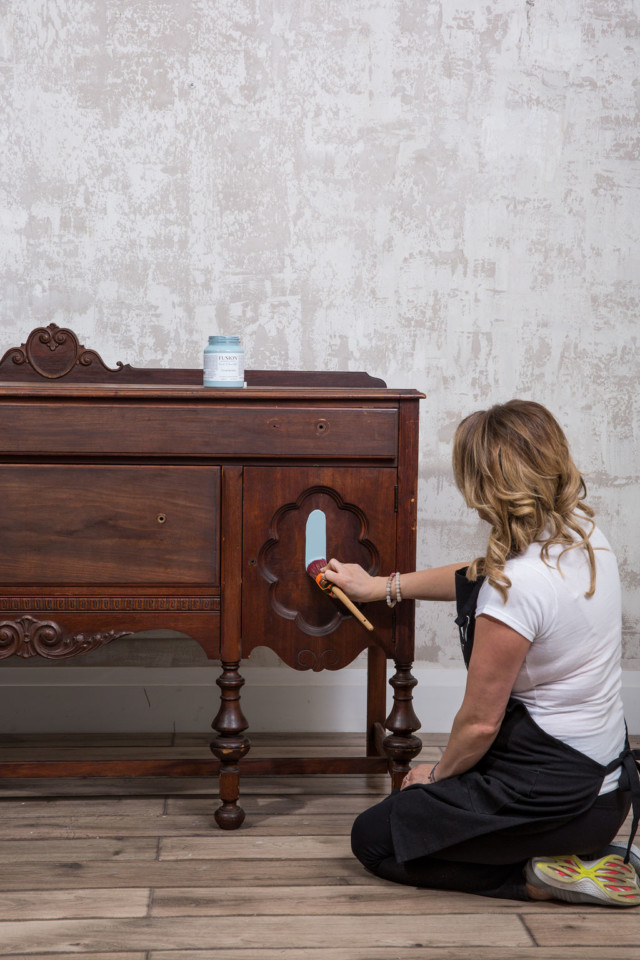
[{"x": 282, "y": 606}]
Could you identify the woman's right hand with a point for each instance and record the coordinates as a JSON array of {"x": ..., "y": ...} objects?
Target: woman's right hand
[{"x": 355, "y": 581}]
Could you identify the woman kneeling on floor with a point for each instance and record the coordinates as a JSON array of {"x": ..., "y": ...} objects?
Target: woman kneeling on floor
[{"x": 537, "y": 777}]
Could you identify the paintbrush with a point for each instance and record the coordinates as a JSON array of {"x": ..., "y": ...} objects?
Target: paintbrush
[{"x": 315, "y": 562}]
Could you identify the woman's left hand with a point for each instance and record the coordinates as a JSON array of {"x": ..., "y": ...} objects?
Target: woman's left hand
[{"x": 419, "y": 774}]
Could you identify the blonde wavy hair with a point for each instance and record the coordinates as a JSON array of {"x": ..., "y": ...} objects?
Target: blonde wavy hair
[{"x": 512, "y": 464}]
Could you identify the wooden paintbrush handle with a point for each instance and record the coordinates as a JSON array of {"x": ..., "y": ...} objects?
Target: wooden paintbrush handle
[{"x": 337, "y": 592}]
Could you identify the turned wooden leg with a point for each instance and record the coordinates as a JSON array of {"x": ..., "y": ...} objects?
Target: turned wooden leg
[
  {"x": 401, "y": 746},
  {"x": 230, "y": 746}
]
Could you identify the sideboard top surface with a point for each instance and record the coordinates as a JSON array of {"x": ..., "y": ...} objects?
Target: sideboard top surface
[{"x": 168, "y": 392}]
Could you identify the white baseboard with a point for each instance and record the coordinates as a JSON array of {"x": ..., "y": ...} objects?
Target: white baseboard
[{"x": 186, "y": 699}]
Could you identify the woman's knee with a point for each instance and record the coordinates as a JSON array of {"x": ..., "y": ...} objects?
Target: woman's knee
[
  {"x": 371, "y": 839},
  {"x": 361, "y": 837}
]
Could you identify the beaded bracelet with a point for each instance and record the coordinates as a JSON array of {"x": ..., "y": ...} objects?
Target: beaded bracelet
[
  {"x": 390, "y": 602},
  {"x": 393, "y": 576}
]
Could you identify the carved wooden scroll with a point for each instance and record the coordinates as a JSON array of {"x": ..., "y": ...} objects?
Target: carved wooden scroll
[
  {"x": 28, "y": 637},
  {"x": 52, "y": 353}
]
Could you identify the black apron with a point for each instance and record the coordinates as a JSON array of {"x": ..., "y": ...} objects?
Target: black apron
[{"x": 526, "y": 777}]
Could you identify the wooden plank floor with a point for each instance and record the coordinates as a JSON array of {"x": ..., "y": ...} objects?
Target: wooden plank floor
[{"x": 137, "y": 870}]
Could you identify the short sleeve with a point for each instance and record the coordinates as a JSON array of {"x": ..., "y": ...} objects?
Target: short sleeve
[{"x": 531, "y": 602}]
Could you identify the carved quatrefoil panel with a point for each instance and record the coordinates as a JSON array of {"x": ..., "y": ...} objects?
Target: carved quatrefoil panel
[{"x": 293, "y": 594}]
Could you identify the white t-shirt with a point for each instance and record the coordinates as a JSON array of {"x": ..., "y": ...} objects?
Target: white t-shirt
[{"x": 571, "y": 677}]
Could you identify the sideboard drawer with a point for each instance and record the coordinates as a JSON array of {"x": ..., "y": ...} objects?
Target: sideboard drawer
[
  {"x": 81, "y": 524},
  {"x": 245, "y": 429}
]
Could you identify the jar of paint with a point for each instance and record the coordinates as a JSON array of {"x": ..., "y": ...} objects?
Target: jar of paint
[{"x": 223, "y": 362}]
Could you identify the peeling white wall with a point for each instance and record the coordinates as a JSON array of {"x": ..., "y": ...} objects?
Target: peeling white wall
[{"x": 441, "y": 192}]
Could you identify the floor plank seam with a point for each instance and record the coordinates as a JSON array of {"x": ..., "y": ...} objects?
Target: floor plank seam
[
  {"x": 150, "y": 901},
  {"x": 526, "y": 925}
]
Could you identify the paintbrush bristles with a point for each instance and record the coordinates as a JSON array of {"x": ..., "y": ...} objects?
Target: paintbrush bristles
[{"x": 316, "y": 567}]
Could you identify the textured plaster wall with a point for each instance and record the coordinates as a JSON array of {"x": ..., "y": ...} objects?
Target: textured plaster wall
[{"x": 442, "y": 193}]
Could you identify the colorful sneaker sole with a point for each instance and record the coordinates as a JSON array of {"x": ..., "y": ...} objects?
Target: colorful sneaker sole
[{"x": 607, "y": 881}]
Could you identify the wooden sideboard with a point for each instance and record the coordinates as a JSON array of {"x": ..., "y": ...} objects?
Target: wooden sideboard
[{"x": 136, "y": 499}]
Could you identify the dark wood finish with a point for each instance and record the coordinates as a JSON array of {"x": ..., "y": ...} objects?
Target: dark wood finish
[
  {"x": 129, "y": 422},
  {"x": 376, "y": 700},
  {"x": 251, "y": 766},
  {"x": 153, "y": 525},
  {"x": 308, "y": 628},
  {"x": 138, "y": 499}
]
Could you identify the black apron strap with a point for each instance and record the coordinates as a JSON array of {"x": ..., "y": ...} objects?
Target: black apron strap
[
  {"x": 629, "y": 760},
  {"x": 635, "y": 798},
  {"x": 630, "y": 764},
  {"x": 466, "y": 599}
]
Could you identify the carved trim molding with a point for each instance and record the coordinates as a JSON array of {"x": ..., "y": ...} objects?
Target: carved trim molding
[
  {"x": 28, "y": 637},
  {"x": 111, "y": 604},
  {"x": 52, "y": 352}
]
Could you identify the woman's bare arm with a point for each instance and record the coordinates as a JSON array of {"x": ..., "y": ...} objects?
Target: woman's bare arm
[
  {"x": 435, "y": 584},
  {"x": 498, "y": 654}
]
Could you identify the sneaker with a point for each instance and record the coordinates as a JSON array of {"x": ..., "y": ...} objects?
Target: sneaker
[{"x": 607, "y": 881}]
